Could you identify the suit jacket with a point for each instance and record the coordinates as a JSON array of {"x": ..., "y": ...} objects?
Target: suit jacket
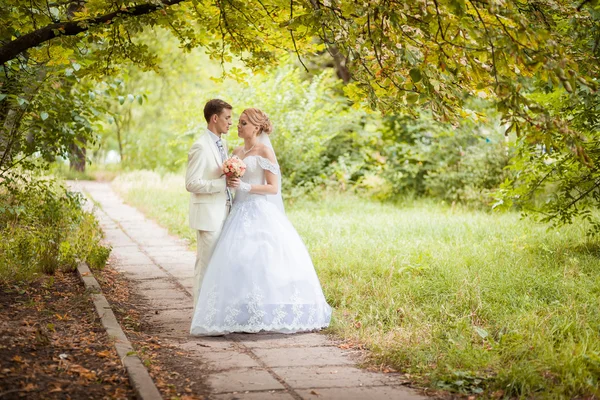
[{"x": 206, "y": 183}]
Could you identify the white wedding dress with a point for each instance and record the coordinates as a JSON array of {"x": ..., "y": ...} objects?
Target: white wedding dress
[{"x": 260, "y": 276}]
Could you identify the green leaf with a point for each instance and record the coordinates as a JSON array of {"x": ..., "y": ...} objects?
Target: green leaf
[
  {"x": 55, "y": 12},
  {"x": 2, "y": 96},
  {"x": 121, "y": 100},
  {"x": 415, "y": 75},
  {"x": 412, "y": 98},
  {"x": 44, "y": 115}
]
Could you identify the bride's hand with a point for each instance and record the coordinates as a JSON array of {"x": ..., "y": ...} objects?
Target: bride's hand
[{"x": 233, "y": 182}]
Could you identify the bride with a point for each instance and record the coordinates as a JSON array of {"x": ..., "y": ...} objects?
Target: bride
[{"x": 260, "y": 276}]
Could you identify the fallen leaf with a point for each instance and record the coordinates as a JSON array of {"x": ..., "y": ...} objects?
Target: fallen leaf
[
  {"x": 103, "y": 354},
  {"x": 56, "y": 389},
  {"x": 30, "y": 387}
]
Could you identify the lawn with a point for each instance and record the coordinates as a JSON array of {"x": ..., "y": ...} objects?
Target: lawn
[{"x": 462, "y": 300}]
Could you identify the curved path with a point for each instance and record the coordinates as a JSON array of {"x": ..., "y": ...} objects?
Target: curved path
[{"x": 236, "y": 366}]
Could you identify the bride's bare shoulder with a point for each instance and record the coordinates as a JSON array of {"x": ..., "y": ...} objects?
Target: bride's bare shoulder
[{"x": 266, "y": 152}]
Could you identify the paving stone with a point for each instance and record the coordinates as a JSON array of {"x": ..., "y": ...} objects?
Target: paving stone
[
  {"x": 275, "y": 340},
  {"x": 166, "y": 249},
  {"x": 227, "y": 359},
  {"x": 152, "y": 242},
  {"x": 163, "y": 298},
  {"x": 187, "y": 264},
  {"x": 333, "y": 376},
  {"x": 182, "y": 273},
  {"x": 361, "y": 393},
  {"x": 107, "y": 224},
  {"x": 271, "y": 395},
  {"x": 163, "y": 286},
  {"x": 187, "y": 283},
  {"x": 179, "y": 319},
  {"x": 146, "y": 224},
  {"x": 118, "y": 238},
  {"x": 159, "y": 303},
  {"x": 173, "y": 242},
  {"x": 132, "y": 268},
  {"x": 302, "y": 356},
  {"x": 125, "y": 242},
  {"x": 242, "y": 380},
  {"x": 128, "y": 256},
  {"x": 121, "y": 216},
  {"x": 142, "y": 272},
  {"x": 176, "y": 259},
  {"x": 206, "y": 343},
  {"x": 155, "y": 293}
]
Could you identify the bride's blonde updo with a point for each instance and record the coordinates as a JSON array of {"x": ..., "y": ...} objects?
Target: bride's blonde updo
[{"x": 259, "y": 118}]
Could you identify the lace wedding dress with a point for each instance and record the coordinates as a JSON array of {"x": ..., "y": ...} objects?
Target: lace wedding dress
[{"x": 260, "y": 276}]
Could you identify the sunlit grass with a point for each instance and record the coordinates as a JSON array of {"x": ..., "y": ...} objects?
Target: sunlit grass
[{"x": 459, "y": 299}]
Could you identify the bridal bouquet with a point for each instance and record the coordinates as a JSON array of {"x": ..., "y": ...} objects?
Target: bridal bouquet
[{"x": 234, "y": 167}]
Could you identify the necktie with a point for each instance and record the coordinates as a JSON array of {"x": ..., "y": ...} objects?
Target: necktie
[{"x": 223, "y": 158}]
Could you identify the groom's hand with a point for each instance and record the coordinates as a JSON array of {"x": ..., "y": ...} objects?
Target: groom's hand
[{"x": 233, "y": 182}]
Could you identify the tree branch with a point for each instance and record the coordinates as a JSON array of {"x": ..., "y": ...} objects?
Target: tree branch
[
  {"x": 12, "y": 49},
  {"x": 292, "y": 35},
  {"x": 489, "y": 40}
]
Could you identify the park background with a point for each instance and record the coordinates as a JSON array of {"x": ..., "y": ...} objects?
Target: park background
[{"x": 452, "y": 220}]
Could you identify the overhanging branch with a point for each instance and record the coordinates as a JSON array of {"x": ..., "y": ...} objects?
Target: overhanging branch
[{"x": 12, "y": 49}]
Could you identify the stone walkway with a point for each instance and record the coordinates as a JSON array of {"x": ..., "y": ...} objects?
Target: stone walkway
[{"x": 238, "y": 366}]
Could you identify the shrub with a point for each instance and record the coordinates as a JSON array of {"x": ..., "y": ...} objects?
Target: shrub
[
  {"x": 43, "y": 228},
  {"x": 464, "y": 164}
]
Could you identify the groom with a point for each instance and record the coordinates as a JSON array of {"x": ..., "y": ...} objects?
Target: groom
[{"x": 210, "y": 197}]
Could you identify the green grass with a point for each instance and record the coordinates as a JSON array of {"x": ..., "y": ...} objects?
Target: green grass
[
  {"x": 92, "y": 172},
  {"x": 461, "y": 300}
]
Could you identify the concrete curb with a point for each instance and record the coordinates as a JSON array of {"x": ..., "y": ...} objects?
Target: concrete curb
[{"x": 142, "y": 383}]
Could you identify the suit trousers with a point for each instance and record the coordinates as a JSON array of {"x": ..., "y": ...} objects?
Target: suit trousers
[{"x": 206, "y": 241}]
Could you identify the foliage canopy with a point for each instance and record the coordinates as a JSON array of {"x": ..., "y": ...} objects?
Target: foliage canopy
[{"x": 536, "y": 60}]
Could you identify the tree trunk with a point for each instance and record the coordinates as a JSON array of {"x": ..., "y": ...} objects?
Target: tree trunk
[
  {"x": 77, "y": 157},
  {"x": 340, "y": 64},
  {"x": 119, "y": 139}
]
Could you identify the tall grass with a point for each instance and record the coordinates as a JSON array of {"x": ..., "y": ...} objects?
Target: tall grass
[{"x": 461, "y": 300}]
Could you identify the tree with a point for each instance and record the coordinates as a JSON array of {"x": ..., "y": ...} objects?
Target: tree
[{"x": 433, "y": 54}]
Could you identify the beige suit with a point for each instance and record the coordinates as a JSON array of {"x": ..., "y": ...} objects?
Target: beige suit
[{"x": 208, "y": 200}]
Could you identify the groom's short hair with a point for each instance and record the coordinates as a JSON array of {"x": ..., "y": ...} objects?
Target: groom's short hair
[{"x": 215, "y": 106}]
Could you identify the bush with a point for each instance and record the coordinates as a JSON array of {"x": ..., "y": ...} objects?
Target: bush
[
  {"x": 43, "y": 228},
  {"x": 464, "y": 164}
]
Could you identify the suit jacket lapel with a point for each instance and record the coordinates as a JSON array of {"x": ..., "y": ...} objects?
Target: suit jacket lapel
[{"x": 213, "y": 148}]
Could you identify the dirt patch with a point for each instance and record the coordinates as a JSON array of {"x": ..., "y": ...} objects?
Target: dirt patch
[
  {"x": 53, "y": 345},
  {"x": 175, "y": 373}
]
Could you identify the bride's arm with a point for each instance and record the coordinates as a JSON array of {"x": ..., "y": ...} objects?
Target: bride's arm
[{"x": 272, "y": 186}]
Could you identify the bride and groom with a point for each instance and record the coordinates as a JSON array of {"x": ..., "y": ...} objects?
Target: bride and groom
[{"x": 252, "y": 272}]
